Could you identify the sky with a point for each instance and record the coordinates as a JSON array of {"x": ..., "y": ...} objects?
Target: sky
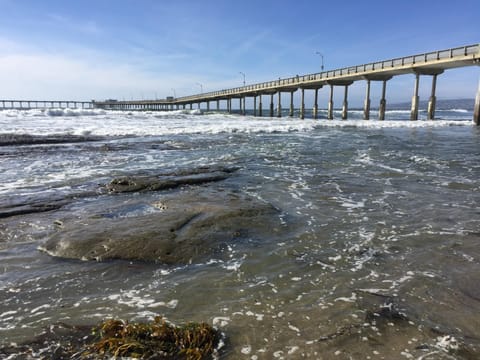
[{"x": 146, "y": 49}]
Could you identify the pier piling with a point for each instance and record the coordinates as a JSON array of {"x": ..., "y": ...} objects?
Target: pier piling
[
  {"x": 260, "y": 105},
  {"x": 366, "y": 105},
  {"x": 330, "y": 104},
  {"x": 476, "y": 110},
  {"x": 302, "y": 105},
  {"x": 415, "y": 99},
  {"x": 279, "y": 108},
  {"x": 432, "y": 101},
  {"x": 291, "y": 104},
  {"x": 271, "y": 105},
  {"x": 345, "y": 104},
  {"x": 383, "y": 102}
]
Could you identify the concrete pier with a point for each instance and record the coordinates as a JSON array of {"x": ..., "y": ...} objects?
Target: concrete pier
[
  {"x": 45, "y": 104},
  {"x": 430, "y": 64}
]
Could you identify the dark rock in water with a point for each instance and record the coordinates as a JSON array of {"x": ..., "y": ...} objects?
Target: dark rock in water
[
  {"x": 24, "y": 209},
  {"x": 169, "y": 180},
  {"x": 27, "y": 139},
  {"x": 185, "y": 227}
]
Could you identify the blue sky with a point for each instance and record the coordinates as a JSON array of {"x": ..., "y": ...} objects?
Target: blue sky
[{"x": 145, "y": 49}]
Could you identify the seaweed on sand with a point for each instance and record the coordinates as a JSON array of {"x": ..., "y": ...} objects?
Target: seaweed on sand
[{"x": 158, "y": 339}]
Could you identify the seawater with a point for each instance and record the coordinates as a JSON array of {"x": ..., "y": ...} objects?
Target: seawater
[{"x": 379, "y": 215}]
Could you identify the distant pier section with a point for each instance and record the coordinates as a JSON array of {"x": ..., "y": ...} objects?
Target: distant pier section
[
  {"x": 431, "y": 64},
  {"x": 45, "y": 104}
]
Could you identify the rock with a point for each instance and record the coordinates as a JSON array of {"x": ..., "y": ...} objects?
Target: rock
[
  {"x": 184, "y": 227},
  {"x": 168, "y": 180},
  {"x": 23, "y": 209},
  {"x": 29, "y": 204},
  {"x": 27, "y": 139}
]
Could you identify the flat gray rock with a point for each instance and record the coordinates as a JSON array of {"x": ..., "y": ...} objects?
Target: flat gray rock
[{"x": 179, "y": 228}]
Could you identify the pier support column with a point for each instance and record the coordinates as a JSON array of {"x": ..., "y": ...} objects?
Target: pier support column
[
  {"x": 208, "y": 105},
  {"x": 271, "y": 105},
  {"x": 433, "y": 99},
  {"x": 279, "y": 106},
  {"x": 330, "y": 104},
  {"x": 345, "y": 104},
  {"x": 191, "y": 106},
  {"x": 240, "y": 105},
  {"x": 255, "y": 105},
  {"x": 366, "y": 105},
  {"x": 302, "y": 105},
  {"x": 229, "y": 105},
  {"x": 218, "y": 105},
  {"x": 260, "y": 105},
  {"x": 315, "y": 105},
  {"x": 415, "y": 99},
  {"x": 383, "y": 102},
  {"x": 291, "y": 104},
  {"x": 243, "y": 106},
  {"x": 476, "y": 109}
]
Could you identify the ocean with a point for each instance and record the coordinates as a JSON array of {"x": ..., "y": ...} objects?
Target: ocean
[{"x": 320, "y": 239}]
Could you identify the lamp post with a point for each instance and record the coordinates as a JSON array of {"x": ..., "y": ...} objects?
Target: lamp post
[
  {"x": 319, "y": 53},
  {"x": 243, "y": 74},
  {"x": 201, "y": 87},
  {"x": 174, "y": 93}
]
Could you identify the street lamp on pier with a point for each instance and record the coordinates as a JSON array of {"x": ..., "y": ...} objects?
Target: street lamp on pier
[
  {"x": 174, "y": 93},
  {"x": 319, "y": 53},
  {"x": 243, "y": 74},
  {"x": 201, "y": 87}
]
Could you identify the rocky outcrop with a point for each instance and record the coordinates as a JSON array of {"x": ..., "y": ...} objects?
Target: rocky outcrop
[{"x": 183, "y": 227}]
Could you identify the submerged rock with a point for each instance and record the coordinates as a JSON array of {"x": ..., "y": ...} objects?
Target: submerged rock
[{"x": 183, "y": 227}]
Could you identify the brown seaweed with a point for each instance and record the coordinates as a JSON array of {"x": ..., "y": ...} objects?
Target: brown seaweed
[{"x": 158, "y": 339}]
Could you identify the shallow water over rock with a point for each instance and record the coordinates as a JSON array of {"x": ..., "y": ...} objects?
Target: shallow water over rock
[{"x": 183, "y": 227}]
